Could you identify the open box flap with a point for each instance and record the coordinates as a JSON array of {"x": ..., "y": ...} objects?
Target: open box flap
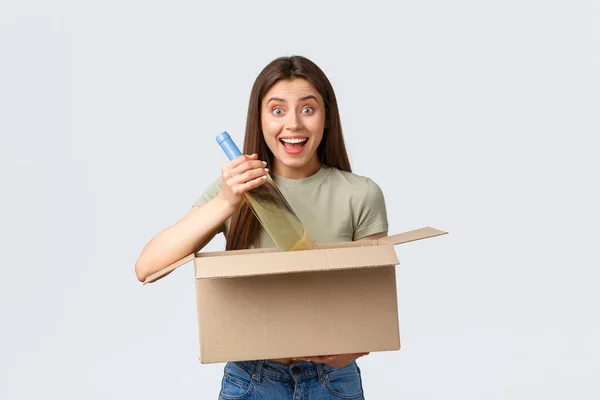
[
  {"x": 167, "y": 270},
  {"x": 253, "y": 264},
  {"x": 295, "y": 266},
  {"x": 411, "y": 236}
]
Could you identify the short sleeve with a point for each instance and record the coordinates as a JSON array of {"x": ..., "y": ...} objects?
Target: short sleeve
[
  {"x": 209, "y": 193},
  {"x": 371, "y": 213}
]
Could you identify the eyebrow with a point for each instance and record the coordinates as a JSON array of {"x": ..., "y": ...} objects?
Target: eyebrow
[{"x": 310, "y": 96}]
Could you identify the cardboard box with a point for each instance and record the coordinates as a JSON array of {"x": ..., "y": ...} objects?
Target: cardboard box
[{"x": 265, "y": 304}]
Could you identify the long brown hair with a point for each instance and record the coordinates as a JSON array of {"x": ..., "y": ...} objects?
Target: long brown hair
[{"x": 245, "y": 227}]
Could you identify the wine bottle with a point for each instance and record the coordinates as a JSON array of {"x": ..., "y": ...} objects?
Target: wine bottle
[{"x": 272, "y": 209}]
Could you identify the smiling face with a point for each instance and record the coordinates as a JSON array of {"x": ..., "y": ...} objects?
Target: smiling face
[{"x": 293, "y": 120}]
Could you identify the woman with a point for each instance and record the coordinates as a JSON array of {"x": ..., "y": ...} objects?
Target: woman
[{"x": 293, "y": 130}]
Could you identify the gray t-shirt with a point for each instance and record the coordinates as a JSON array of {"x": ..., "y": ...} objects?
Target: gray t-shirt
[{"x": 333, "y": 205}]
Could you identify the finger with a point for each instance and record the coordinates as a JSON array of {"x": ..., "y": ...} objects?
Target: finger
[
  {"x": 247, "y": 166},
  {"x": 309, "y": 358},
  {"x": 253, "y": 174},
  {"x": 248, "y": 176},
  {"x": 231, "y": 175},
  {"x": 236, "y": 176},
  {"x": 321, "y": 359},
  {"x": 253, "y": 183},
  {"x": 239, "y": 160}
]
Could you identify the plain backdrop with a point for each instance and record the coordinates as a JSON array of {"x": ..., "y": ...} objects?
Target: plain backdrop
[{"x": 475, "y": 117}]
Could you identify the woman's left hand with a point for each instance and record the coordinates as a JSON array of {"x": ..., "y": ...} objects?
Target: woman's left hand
[{"x": 336, "y": 361}]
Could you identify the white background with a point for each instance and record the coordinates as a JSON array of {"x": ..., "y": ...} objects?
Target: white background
[{"x": 475, "y": 117}]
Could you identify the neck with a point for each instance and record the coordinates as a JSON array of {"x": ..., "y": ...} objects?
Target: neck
[{"x": 309, "y": 169}]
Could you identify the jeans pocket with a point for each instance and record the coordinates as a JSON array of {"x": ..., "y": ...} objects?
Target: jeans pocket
[
  {"x": 236, "y": 383},
  {"x": 345, "y": 383}
]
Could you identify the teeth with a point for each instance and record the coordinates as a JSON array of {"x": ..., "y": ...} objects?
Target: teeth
[{"x": 294, "y": 140}]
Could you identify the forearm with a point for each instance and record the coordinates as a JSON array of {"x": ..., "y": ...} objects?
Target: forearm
[{"x": 188, "y": 235}]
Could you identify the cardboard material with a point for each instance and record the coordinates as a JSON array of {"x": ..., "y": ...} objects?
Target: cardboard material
[{"x": 265, "y": 304}]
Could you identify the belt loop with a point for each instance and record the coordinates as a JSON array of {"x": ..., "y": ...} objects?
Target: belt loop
[
  {"x": 320, "y": 372},
  {"x": 258, "y": 371}
]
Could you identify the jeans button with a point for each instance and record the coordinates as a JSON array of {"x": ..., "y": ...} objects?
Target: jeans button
[{"x": 296, "y": 370}]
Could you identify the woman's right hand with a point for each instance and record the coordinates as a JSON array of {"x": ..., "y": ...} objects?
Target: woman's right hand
[
  {"x": 198, "y": 227},
  {"x": 240, "y": 175}
]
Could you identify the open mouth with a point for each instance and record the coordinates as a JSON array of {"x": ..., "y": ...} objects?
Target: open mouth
[{"x": 294, "y": 145}]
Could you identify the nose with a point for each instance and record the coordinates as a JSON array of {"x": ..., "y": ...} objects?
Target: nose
[{"x": 293, "y": 123}]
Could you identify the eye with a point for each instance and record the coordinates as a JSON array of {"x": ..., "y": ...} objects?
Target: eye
[
  {"x": 277, "y": 111},
  {"x": 309, "y": 109}
]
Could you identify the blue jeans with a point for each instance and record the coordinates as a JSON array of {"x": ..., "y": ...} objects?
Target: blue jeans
[{"x": 268, "y": 380}]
